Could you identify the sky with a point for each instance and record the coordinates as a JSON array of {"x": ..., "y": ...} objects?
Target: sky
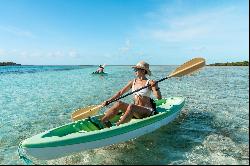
[{"x": 123, "y": 32}]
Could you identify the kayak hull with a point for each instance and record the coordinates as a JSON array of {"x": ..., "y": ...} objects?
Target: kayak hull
[
  {"x": 102, "y": 73},
  {"x": 112, "y": 135}
]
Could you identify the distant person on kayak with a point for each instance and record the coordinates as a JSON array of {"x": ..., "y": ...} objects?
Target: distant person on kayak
[
  {"x": 143, "y": 105},
  {"x": 100, "y": 69}
]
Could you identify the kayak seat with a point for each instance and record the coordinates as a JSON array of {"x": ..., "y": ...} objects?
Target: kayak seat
[
  {"x": 156, "y": 112},
  {"x": 96, "y": 122}
]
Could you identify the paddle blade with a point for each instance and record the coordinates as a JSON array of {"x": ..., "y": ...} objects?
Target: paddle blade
[
  {"x": 85, "y": 112},
  {"x": 189, "y": 67}
]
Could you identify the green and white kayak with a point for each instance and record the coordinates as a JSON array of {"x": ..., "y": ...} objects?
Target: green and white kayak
[{"x": 89, "y": 133}]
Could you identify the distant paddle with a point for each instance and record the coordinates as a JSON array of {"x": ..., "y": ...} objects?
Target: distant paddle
[{"x": 185, "y": 69}]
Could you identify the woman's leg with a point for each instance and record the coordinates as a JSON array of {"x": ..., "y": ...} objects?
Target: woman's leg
[
  {"x": 114, "y": 110},
  {"x": 127, "y": 116},
  {"x": 134, "y": 110}
]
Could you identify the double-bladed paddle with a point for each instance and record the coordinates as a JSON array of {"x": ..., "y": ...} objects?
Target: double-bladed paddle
[{"x": 185, "y": 69}]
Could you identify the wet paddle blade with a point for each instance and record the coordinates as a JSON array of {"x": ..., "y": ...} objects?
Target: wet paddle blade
[
  {"x": 85, "y": 112},
  {"x": 189, "y": 67}
]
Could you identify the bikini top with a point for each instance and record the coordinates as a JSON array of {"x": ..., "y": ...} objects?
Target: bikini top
[{"x": 143, "y": 92}]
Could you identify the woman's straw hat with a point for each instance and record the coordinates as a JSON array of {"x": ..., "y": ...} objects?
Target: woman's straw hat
[{"x": 143, "y": 65}]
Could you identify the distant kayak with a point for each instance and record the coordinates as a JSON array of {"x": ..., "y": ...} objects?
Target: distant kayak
[
  {"x": 90, "y": 133},
  {"x": 102, "y": 73}
]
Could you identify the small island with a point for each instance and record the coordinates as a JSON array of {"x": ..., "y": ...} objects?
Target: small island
[
  {"x": 9, "y": 64},
  {"x": 243, "y": 63}
]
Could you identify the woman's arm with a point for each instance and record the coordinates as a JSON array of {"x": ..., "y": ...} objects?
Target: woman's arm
[
  {"x": 155, "y": 89},
  {"x": 121, "y": 92}
]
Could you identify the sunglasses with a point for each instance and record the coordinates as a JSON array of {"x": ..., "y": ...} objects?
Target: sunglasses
[{"x": 136, "y": 69}]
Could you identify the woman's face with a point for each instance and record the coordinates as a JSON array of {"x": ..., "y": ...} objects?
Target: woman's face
[{"x": 139, "y": 72}]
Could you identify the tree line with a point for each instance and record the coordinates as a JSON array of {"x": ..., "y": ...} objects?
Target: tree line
[
  {"x": 243, "y": 63},
  {"x": 9, "y": 64}
]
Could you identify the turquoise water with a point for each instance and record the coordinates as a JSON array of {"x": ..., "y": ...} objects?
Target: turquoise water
[{"x": 213, "y": 127}]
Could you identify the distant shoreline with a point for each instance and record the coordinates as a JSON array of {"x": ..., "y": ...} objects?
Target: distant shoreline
[
  {"x": 243, "y": 63},
  {"x": 9, "y": 64}
]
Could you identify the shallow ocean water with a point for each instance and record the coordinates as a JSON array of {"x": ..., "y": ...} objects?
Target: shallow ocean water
[{"x": 213, "y": 127}]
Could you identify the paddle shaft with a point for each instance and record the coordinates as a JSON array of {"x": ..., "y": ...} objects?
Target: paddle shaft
[{"x": 135, "y": 91}]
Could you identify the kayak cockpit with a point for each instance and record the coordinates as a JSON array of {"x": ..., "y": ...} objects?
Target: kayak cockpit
[{"x": 92, "y": 123}]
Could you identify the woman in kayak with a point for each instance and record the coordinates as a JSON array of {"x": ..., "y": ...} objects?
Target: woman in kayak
[
  {"x": 143, "y": 105},
  {"x": 100, "y": 69}
]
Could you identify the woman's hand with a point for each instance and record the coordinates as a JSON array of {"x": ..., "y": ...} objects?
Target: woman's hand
[
  {"x": 105, "y": 103},
  {"x": 153, "y": 84}
]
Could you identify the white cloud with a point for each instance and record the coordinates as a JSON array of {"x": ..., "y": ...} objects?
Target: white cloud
[
  {"x": 17, "y": 31},
  {"x": 2, "y": 52},
  {"x": 140, "y": 53},
  {"x": 24, "y": 54},
  {"x": 56, "y": 54},
  {"x": 127, "y": 47},
  {"x": 179, "y": 35},
  {"x": 199, "y": 48},
  {"x": 201, "y": 25},
  {"x": 19, "y": 53},
  {"x": 38, "y": 54},
  {"x": 73, "y": 54},
  {"x": 107, "y": 55}
]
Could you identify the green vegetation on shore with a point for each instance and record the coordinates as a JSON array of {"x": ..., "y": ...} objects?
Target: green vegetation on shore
[
  {"x": 9, "y": 64},
  {"x": 243, "y": 63}
]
